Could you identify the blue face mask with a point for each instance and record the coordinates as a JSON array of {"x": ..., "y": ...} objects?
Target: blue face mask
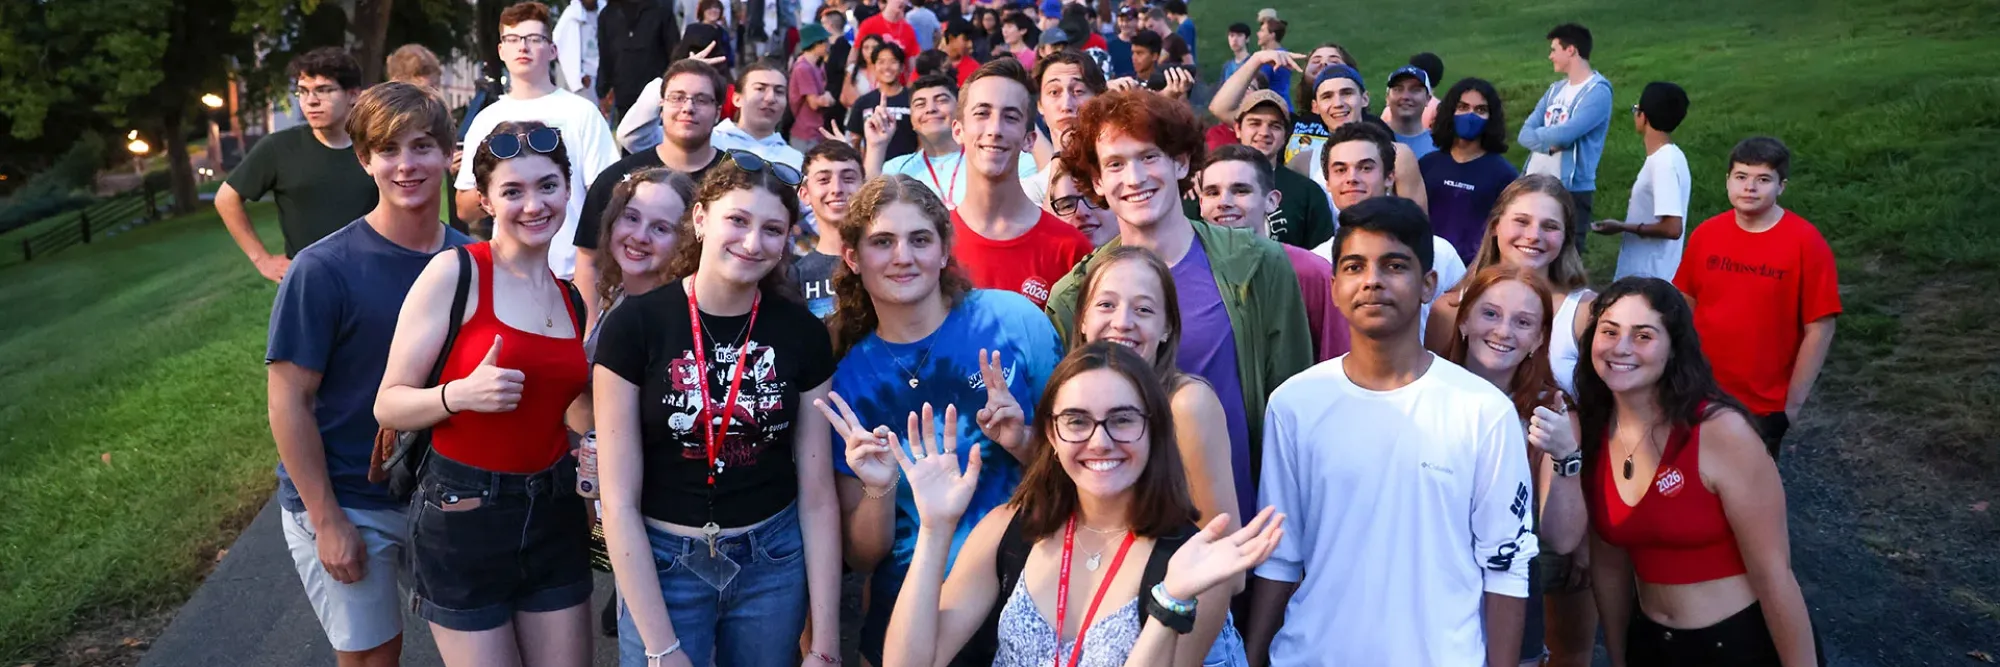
[{"x": 1468, "y": 125}]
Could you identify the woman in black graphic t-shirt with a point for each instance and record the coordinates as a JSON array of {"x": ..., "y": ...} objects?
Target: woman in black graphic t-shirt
[{"x": 719, "y": 507}]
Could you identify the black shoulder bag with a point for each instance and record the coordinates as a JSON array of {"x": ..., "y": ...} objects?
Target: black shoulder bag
[{"x": 400, "y": 455}]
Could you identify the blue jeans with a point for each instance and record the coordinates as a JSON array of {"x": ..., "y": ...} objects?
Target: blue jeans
[{"x": 754, "y": 619}]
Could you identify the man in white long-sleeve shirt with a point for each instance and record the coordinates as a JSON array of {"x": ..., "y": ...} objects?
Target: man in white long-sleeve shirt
[
  {"x": 576, "y": 40},
  {"x": 1404, "y": 478}
]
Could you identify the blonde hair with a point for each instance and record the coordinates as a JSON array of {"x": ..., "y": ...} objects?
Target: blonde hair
[
  {"x": 387, "y": 110},
  {"x": 412, "y": 62}
]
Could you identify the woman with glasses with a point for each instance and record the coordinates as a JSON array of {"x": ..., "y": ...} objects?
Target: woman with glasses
[
  {"x": 498, "y": 535},
  {"x": 910, "y": 331},
  {"x": 718, "y": 496},
  {"x": 1068, "y": 201},
  {"x": 1101, "y": 527}
]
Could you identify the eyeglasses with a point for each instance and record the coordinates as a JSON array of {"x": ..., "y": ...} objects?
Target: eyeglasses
[
  {"x": 752, "y": 163},
  {"x": 320, "y": 93},
  {"x": 678, "y": 100},
  {"x": 540, "y": 140},
  {"x": 1065, "y": 206},
  {"x": 530, "y": 40},
  {"x": 1124, "y": 426}
]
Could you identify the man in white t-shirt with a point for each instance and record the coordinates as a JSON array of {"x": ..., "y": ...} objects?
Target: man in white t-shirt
[
  {"x": 528, "y": 52},
  {"x": 760, "y": 104},
  {"x": 1566, "y": 130},
  {"x": 1064, "y": 82},
  {"x": 1656, "y": 215},
  {"x": 1358, "y": 160},
  {"x": 1403, "y": 477}
]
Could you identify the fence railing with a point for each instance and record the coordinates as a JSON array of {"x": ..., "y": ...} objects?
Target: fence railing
[{"x": 94, "y": 221}]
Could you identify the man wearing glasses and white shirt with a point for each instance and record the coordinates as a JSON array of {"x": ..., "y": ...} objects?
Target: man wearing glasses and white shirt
[{"x": 527, "y": 50}]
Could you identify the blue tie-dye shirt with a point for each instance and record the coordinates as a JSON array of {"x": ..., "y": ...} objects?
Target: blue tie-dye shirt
[{"x": 874, "y": 379}]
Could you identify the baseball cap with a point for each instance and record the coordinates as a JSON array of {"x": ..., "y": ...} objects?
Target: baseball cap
[
  {"x": 1055, "y": 37},
  {"x": 1052, "y": 8},
  {"x": 1409, "y": 70},
  {"x": 811, "y": 34},
  {"x": 1127, "y": 12},
  {"x": 1262, "y": 96},
  {"x": 1267, "y": 13},
  {"x": 1338, "y": 71}
]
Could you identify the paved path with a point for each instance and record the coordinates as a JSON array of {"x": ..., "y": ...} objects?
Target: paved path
[{"x": 252, "y": 611}]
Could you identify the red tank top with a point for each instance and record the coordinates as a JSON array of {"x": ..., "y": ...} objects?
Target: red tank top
[
  {"x": 531, "y": 437},
  {"x": 1677, "y": 534}
]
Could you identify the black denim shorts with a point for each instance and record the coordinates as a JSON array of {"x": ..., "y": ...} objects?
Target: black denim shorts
[
  {"x": 485, "y": 545},
  {"x": 1742, "y": 640}
]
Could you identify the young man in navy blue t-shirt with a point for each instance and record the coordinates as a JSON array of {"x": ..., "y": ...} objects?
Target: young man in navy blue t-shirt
[{"x": 329, "y": 340}]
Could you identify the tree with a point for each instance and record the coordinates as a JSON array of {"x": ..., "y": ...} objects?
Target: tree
[{"x": 71, "y": 65}]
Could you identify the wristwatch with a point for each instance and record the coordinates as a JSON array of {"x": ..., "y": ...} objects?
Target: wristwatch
[
  {"x": 1569, "y": 466},
  {"x": 1177, "y": 615}
]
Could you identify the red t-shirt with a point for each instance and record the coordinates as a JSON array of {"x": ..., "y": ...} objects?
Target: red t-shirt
[
  {"x": 1095, "y": 41},
  {"x": 966, "y": 66},
  {"x": 1753, "y": 295},
  {"x": 1221, "y": 134},
  {"x": 899, "y": 32},
  {"x": 1028, "y": 264}
]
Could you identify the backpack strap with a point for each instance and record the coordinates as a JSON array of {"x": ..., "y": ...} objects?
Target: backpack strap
[
  {"x": 1163, "y": 552},
  {"x": 575, "y": 305},
  {"x": 458, "y": 298},
  {"x": 1008, "y": 561}
]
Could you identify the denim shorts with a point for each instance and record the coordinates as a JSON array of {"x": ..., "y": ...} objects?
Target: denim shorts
[
  {"x": 751, "y": 618},
  {"x": 486, "y": 545}
]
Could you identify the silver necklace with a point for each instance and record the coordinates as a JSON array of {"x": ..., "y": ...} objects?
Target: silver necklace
[
  {"x": 912, "y": 374},
  {"x": 1097, "y": 557}
]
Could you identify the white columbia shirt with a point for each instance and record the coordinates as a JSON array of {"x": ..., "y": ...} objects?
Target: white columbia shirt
[{"x": 1405, "y": 508}]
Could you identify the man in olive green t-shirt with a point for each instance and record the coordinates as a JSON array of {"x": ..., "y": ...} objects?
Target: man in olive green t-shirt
[{"x": 312, "y": 169}]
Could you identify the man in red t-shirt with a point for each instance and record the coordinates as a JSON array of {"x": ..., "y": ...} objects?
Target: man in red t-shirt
[
  {"x": 1004, "y": 239},
  {"x": 1763, "y": 287},
  {"x": 957, "y": 48},
  {"x": 890, "y": 24}
]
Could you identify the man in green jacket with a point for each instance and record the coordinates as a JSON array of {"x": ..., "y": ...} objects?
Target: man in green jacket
[{"x": 1243, "y": 323}]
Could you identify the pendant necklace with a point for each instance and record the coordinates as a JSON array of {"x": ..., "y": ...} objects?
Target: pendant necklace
[
  {"x": 1097, "y": 557},
  {"x": 907, "y": 371}
]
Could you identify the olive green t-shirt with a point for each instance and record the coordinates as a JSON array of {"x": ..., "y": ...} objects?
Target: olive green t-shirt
[{"x": 318, "y": 189}]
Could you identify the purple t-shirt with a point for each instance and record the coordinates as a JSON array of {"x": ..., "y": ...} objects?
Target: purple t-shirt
[{"x": 1208, "y": 349}]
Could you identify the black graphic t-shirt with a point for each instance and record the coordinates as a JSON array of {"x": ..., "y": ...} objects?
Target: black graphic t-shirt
[{"x": 648, "y": 342}]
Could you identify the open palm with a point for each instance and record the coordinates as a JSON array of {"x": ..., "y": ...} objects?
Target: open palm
[
  {"x": 867, "y": 451},
  {"x": 1210, "y": 558},
  {"x": 931, "y": 466}
]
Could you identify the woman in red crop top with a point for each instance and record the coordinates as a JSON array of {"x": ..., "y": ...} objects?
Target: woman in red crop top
[
  {"x": 500, "y": 562},
  {"x": 1683, "y": 498}
]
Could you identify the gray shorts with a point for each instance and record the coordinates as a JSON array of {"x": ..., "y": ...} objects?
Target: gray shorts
[{"x": 367, "y": 613}]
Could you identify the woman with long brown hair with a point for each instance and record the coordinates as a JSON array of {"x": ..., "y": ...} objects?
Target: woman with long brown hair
[
  {"x": 1503, "y": 327},
  {"x": 911, "y": 331},
  {"x": 718, "y": 497},
  {"x": 1129, "y": 299},
  {"x": 1104, "y": 510},
  {"x": 1685, "y": 502}
]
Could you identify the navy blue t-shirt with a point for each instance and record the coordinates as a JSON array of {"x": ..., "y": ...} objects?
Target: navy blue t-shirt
[
  {"x": 1461, "y": 195},
  {"x": 335, "y": 315}
]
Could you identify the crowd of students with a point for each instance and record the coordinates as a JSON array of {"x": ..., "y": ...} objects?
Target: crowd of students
[{"x": 1336, "y": 385}]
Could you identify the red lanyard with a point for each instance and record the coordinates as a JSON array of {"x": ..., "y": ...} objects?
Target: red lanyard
[
  {"x": 946, "y": 190},
  {"x": 1062, "y": 592},
  {"x": 718, "y": 426}
]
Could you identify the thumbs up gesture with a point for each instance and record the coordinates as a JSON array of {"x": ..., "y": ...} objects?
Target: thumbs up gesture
[{"x": 489, "y": 388}]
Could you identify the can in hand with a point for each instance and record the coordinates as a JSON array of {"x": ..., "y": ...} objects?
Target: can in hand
[{"x": 586, "y": 466}]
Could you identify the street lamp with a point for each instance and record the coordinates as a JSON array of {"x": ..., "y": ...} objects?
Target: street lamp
[
  {"x": 212, "y": 101},
  {"x": 139, "y": 148}
]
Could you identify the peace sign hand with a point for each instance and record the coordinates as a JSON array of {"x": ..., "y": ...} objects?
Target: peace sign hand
[
  {"x": 708, "y": 59},
  {"x": 1279, "y": 58},
  {"x": 1001, "y": 420},
  {"x": 941, "y": 491},
  {"x": 1210, "y": 558},
  {"x": 867, "y": 451},
  {"x": 832, "y": 132}
]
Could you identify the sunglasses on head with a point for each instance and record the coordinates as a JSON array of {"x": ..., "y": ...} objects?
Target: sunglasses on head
[
  {"x": 540, "y": 140},
  {"x": 752, "y": 163}
]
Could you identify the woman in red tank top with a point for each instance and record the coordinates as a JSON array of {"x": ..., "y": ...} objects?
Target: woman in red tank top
[
  {"x": 498, "y": 535},
  {"x": 1683, "y": 498}
]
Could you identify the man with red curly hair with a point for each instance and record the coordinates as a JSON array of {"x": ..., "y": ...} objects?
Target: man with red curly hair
[{"x": 1243, "y": 322}]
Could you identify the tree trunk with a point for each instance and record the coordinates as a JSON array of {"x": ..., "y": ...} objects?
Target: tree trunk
[
  {"x": 371, "y": 25},
  {"x": 180, "y": 169}
]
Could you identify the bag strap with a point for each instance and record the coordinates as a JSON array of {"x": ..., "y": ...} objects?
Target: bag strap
[
  {"x": 1163, "y": 552},
  {"x": 465, "y": 265},
  {"x": 575, "y": 305}
]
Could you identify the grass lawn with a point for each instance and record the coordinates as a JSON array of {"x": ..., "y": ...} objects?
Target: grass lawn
[
  {"x": 1893, "y": 135},
  {"x": 132, "y": 403}
]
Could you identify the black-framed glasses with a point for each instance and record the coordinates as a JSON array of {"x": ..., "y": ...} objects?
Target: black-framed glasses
[
  {"x": 1124, "y": 426},
  {"x": 752, "y": 163},
  {"x": 1065, "y": 206},
  {"x": 540, "y": 140},
  {"x": 530, "y": 40}
]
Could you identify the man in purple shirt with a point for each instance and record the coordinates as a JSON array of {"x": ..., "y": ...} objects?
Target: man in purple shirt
[{"x": 1243, "y": 322}]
